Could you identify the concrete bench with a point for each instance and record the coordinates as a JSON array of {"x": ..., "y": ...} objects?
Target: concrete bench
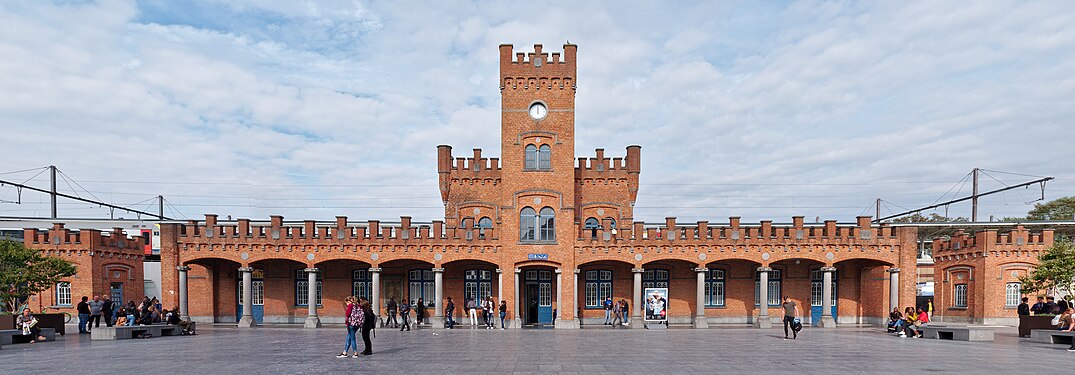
[
  {"x": 130, "y": 332},
  {"x": 967, "y": 333},
  {"x": 1051, "y": 336},
  {"x": 13, "y": 336}
]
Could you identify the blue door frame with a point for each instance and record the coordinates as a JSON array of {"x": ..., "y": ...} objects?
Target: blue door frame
[
  {"x": 815, "y": 297},
  {"x": 258, "y": 308}
]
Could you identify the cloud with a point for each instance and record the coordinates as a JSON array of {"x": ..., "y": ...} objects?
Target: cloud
[{"x": 316, "y": 109}]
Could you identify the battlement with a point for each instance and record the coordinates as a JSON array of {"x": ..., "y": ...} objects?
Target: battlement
[
  {"x": 276, "y": 229},
  {"x": 84, "y": 239},
  {"x": 537, "y": 70},
  {"x": 476, "y": 163},
  {"x": 593, "y": 167},
  {"x": 1017, "y": 239},
  {"x": 735, "y": 231}
]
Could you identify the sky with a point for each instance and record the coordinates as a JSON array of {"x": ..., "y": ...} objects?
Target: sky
[{"x": 313, "y": 109}]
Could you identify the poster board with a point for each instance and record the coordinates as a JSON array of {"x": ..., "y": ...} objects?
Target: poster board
[{"x": 656, "y": 303}]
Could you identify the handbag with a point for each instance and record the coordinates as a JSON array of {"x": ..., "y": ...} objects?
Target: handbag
[{"x": 1056, "y": 320}]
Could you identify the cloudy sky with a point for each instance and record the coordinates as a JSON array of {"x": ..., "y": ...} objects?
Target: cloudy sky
[{"x": 312, "y": 109}]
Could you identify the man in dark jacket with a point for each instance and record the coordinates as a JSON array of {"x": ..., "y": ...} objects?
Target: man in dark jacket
[
  {"x": 83, "y": 315},
  {"x": 1024, "y": 308},
  {"x": 107, "y": 310},
  {"x": 1050, "y": 306},
  {"x": 1037, "y": 308}
]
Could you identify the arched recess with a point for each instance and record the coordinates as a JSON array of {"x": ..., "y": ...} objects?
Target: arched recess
[
  {"x": 408, "y": 279},
  {"x": 212, "y": 287},
  {"x": 738, "y": 285},
  {"x": 282, "y": 301},
  {"x": 342, "y": 278},
  {"x": 681, "y": 280},
  {"x": 862, "y": 286},
  {"x": 598, "y": 279},
  {"x": 795, "y": 278},
  {"x": 471, "y": 278}
]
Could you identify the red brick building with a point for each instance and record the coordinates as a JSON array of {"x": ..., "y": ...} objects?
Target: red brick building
[
  {"x": 977, "y": 275},
  {"x": 549, "y": 233},
  {"x": 108, "y": 264}
]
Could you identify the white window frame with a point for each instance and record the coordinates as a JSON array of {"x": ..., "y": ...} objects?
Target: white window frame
[
  {"x": 302, "y": 283},
  {"x": 63, "y": 293},
  {"x": 715, "y": 287},
  {"x": 959, "y": 295},
  {"x": 1013, "y": 294}
]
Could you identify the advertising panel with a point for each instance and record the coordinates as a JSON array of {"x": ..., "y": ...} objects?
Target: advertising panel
[{"x": 656, "y": 305}]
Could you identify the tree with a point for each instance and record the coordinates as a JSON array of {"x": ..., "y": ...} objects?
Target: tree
[
  {"x": 1058, "y": 209},
  {"x": 25, "y": 272},
  {"x": 1055, "y": 271},
  {"x": 932, "y": 218}
]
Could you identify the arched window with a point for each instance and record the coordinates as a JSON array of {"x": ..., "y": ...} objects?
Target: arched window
[
  {"x": 527, "y": 224},
  {"x": 544, "y": 157},
  {"x": 548, "y": 224},
  {"x": 63, "y": 293},
  {"x": 483, "y": 223},
  {"x": 611, "y": 223},
  {"x": 592, "y": 225},
  {"x": 531, "y": 157}
]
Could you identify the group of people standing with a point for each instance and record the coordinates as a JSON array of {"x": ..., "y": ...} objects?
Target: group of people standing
[
  {"x": 359, "y": 317},
  {"x": 489, "y": 311},
  {"x": 616, "y": 313}
]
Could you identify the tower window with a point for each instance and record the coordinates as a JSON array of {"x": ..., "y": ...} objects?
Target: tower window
[
  {"x": 538, "y": 158},
  {"x": 592, "y": 225},
  {"x": 527, "y": 224}
]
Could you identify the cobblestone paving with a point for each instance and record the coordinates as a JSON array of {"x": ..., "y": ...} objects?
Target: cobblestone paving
[{"x": 289, "y": 350}]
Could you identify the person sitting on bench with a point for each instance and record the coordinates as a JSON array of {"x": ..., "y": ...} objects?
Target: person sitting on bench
[
  {"x": 28, "y": 324},
  {"x": 186, "y": 327}
]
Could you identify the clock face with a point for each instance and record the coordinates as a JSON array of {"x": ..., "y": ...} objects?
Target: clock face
[{"x": 538, "y": 111}]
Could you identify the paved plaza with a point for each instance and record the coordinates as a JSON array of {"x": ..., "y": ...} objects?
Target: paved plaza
[{"x": 292, "y": 350}]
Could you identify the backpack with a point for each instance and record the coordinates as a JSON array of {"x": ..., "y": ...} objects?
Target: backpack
[{"x": 357, "y": 317}]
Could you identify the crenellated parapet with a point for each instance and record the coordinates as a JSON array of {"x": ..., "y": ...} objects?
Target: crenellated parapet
[
  {"x": 462, "y": 172},
  {"x": 61, "y": 240},
  {"x": 1018, "y": 242},
  {"x": 537, "y": 70},
  {"x": 735, "y": 239}
]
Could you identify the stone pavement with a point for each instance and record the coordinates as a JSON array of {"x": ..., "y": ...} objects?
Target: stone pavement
[{"x": 292, "y": 350}]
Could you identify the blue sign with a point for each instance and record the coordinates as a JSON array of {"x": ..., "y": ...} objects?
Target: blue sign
[{"x": 537, "y": 256}]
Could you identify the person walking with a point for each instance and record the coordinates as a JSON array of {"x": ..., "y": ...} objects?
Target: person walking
[
  {"x": 626, "y": 312},
  {"x": 367, "y": 326},
  {"x": 83, "y": 315},
  {"x": 617, "y": 314},
  {"x": 449, "y": 309},
  {"x": 404, "y": 315},
  {"x": 353, "y": 320},
  {"x": 472, "y": 307},
  {"x": 95, "y": 312},
  {"x": 608, "y": 310},
  {"x": 791, "y": 311},
  {"x": 503, "y": 313},
  {"x": 392, "y": 308}
]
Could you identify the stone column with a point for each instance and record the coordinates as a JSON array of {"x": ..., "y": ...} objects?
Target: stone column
[
  {"x": 375, "y": 292},
  {"x": 636, "y": 305},
  {"x": 699, "y": 313},
  {"x": 499, "y": 288},
  {"x": 518, "y": 321},
  {"x": 184, "y": 312},
  {"x": 827, "y": 319},
  {"x": 247, "y": 320},
  {"x": 312, "y": 321},
  {"x": 894, "y": 289},
  {"x": 763, "y": 299},
  {"x": 438, "y": 296},
  {"x": 575, "y": 289}
]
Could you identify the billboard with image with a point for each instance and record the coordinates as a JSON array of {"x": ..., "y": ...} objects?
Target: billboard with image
[{"x": 656, "y": 303}]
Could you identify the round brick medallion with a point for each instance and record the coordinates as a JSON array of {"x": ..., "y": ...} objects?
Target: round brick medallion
[
  {"x": 701, "y": 256},
  {"x": 600, "y": 211},
  {"x": 765, "y": 256},
  {"x": 374, "y": 256},
  {"x": 244, "y": 255},
  {"x": 309, "y": 256},
  {"x": 437, "y": 256},
  {"x": 477, "y": 210},
  {"x": 829, "y": 255},
  {"x": 638, "y": 257},
  {"x": 537, "y": 200}
]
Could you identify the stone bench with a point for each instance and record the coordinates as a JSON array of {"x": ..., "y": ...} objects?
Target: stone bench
[
  {"x": 1051, "y": 336},
  {"x": 13, "y": 336},
  {"x": 967, "y": 333},
  {"x": 130, "y": 332}
]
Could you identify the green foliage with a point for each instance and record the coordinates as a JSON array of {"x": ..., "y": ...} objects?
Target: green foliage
[
  {"x": 25, "y": 272},
  {"x": 1058, "y": 209},
  {"x": 1055, "y": 271},
  {"x": 932, "y": 218}
]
